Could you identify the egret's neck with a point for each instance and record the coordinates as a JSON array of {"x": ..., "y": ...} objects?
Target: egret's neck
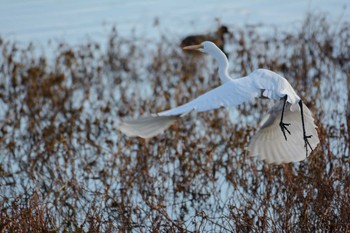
[{"x": 222, "y": 61}]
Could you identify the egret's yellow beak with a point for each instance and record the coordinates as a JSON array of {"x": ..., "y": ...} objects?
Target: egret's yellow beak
[{"x": 193, "y": 47}]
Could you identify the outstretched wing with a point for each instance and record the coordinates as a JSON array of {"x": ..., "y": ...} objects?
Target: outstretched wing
[
  {"x": 146, "y": 127},
  {"x": 269, "y": 144},
  {"x": 229, "y": 94},
  {"x": 240, "y": 90}
]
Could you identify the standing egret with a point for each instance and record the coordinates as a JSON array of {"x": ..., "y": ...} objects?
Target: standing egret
[{"x": 285, "y": 133}]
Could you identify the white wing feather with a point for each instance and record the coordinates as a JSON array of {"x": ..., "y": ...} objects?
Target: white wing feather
[
  {"x": 229, "y": 94},
  {"x": 274, "y": 85},
  {"x": 238, "y": 91},
  {"x": 269, "y": 143},
  {"x": 146, "y": 127}
]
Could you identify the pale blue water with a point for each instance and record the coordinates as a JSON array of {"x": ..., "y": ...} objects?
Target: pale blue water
[{"x": 73, "y": 21}]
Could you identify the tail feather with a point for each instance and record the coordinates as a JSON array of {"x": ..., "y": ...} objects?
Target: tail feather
[{"x": 146, "y": 127}]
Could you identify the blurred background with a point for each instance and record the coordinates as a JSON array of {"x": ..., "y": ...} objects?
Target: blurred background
[
  {"x": 73, "y": 21},
  {"x": 70, "y": 70}
]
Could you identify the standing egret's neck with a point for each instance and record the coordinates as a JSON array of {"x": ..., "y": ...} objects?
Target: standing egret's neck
[{"x": 222, "y": 61}]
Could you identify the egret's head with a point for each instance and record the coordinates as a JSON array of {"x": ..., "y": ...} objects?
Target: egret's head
[{"x": 204, "y": 47}]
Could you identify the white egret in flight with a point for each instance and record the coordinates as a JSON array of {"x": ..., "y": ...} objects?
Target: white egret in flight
[{"x": 287, "y": 133}]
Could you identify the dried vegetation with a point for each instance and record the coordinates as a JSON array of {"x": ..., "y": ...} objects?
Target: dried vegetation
[{"x": 65, "y": 167}]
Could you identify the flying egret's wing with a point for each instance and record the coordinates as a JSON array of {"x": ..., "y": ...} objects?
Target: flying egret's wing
[
  {"x": 237, "y": 91},
  {"x": 146, "y": 127},
  {"x": 274, "y": 85},
  {"x": 269, "y": 144},
  {"x": 229, "y": 94}
]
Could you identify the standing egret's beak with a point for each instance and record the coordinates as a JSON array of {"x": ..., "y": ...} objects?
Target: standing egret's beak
[{"x": 193, "y": 47}]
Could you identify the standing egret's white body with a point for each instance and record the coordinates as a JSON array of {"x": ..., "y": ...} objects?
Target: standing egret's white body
[{"x": 270, "y": 143}]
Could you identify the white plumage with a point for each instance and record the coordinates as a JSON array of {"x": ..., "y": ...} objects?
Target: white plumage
[
  {"x": 268, "y": 142},
  {"x": 275, "y": 141}
]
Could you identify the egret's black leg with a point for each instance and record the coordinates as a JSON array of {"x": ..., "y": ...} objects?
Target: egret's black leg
[
  {"x": 306, "y": 137},
  {"x": 282, "y": 124}
]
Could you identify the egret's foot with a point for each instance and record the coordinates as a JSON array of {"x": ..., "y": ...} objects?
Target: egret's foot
[
  {"x": 284, "y": 129},
  {"x": 307, "y": 143}
]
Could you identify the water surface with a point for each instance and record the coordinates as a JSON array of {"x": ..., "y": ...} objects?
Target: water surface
[{"x": 40, "y": 21}]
